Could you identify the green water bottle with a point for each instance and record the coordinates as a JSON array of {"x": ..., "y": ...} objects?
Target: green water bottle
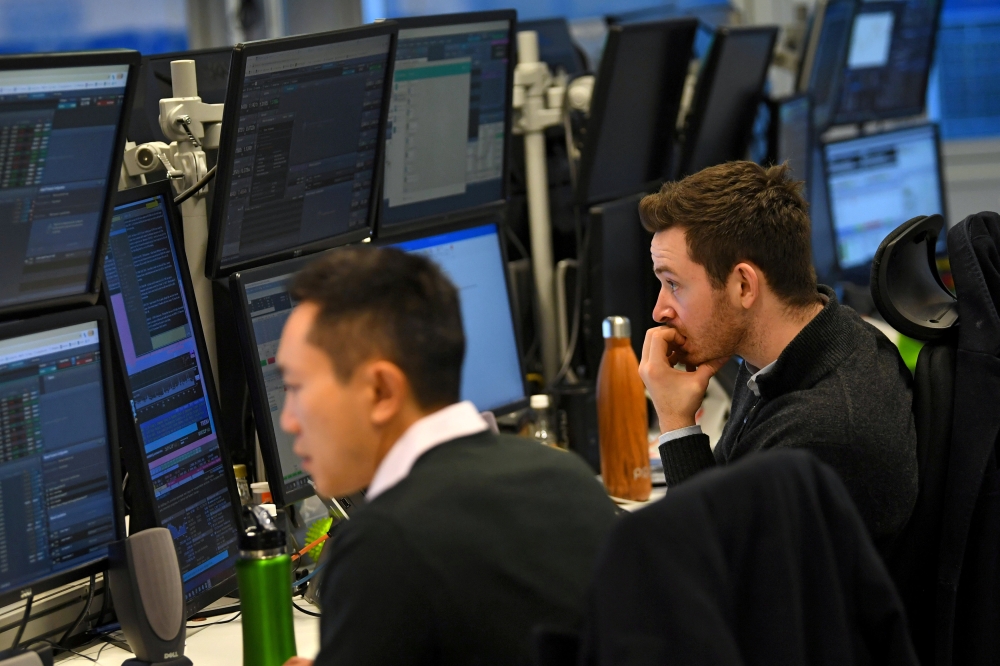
[{"x": 264, "y": 573}]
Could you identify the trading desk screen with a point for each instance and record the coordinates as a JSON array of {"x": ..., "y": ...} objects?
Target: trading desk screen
[
  {"x": 825, "y": 62},
  {"x": 793, "y": 136},
  {"x": 173, "y": 415},
  {"x": 446, "y": 134},
  {"x": 875, "y": 183},
  {"x": 305, "y": 149},
  {"x": 58, "y": 130},
  {"x": 471, "y": 258},
  {"x": 269, "y": 304},
  {"x": 888, "y": 61},
  {"x": 57, "y": 508}
]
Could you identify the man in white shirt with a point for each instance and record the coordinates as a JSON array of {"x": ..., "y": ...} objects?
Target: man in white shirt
[{"x": 469, "y": 540}]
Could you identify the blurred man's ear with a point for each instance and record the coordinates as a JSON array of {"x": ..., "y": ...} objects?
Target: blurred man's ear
[{"x": 387, "y": 387}]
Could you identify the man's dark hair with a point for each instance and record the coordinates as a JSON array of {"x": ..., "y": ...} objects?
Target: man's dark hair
[
  {"x": 741, "y": 211},
  {"x": 387, "y": 303}
]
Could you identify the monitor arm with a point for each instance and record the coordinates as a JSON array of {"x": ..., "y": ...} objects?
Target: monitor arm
[
  {"x": 538, "y": 104},
  {"x": 191, "y": 126}
]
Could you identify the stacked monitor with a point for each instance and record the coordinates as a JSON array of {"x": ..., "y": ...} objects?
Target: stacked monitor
[
  {"x": 791, "y": 134},
  {"x": 60, "y": 505},
  {"x": 449, "y": 119},
  {"x": 473, "y": 258},
  {"x": 181, "y": 475},
  {"x": 298, "y": 154},
  {"x": 875, "y": 183},
  {"x": 726, "y": 97},
  {"x": 630, "y": 133},
  {"x": 822, "y": 62},
  {"x": 61, "y": 143},
  {"x": 888, "y": 60}
]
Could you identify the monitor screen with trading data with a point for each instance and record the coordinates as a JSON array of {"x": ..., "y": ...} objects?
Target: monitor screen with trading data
[
  {"x": 472, "y": 258},
  {"x": 299, "y": 147},
  {"x": 58, "y": 475},
  {"x": 448, "y": 121},
  {"x": 888, "y": 60},
  {"x": 263, "y": 298},
  {"x": 823, "y": 60},
  {"x": 875, "y": 183},
  {"x": 60, "y": 148},
  {"x": 791, "y": 134},
  {"x": 173, "y": 405}
]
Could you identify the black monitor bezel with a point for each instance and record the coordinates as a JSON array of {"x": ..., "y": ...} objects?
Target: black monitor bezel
[
  {"x": 774, "y": 106},
  {"x": 214, "y": 267},
  {"x": 600, "y": 100},
  {"x": 705, "y": 84},
  {"x": 52, "y": 321},
  {"x": 238, "y": 282},
  {"x": 144, "y": 484},
  {"x": 861, "y": 274},
  {"x": 403, "y": 228},
  {"x": 537, "y": 25},
  {"x": 499, "y": 220},
  {"x": 836, "y": 118},
  {"x": 72, "y": 60},
  {"x": 176, "y": 55}
]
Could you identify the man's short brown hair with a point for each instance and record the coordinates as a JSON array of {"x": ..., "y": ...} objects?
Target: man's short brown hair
[
  {"x": 392, "y": 304},
  {"x": 741, "y": 211}
]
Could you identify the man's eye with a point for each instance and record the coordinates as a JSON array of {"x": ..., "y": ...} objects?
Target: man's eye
[{"x": 672, "y": 286}]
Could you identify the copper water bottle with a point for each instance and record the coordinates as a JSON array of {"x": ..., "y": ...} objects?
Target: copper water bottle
[{"x": 621, "y": 415}]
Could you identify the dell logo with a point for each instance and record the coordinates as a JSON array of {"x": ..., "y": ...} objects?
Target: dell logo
[{"x": 170, "y": 655}]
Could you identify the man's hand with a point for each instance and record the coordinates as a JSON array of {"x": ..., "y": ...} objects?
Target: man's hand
[
  {"x": 299, "y": 661},
  {"x": 676, "y": 394}
]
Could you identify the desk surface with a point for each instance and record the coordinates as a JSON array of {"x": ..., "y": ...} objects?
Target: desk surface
[{"x": 212, "y": 644}]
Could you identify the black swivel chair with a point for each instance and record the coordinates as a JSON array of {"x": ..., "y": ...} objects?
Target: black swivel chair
[{"x": 910, "y": 295}]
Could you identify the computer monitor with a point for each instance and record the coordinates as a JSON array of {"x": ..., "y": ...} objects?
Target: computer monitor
[
  {"x": 449, "y": 120},
  {"x": 822, "y": 63},
  {"x": 60, "y": 503},
  {"x": 555, "y": 45},
  {"x": 791, "y": 135},
  {"x": 301, "y": 137},
  {"x": 155, "y": 83},
  {"x": 620, "y": 279},
  {"x": 61, "y": 146},
  {"x": 888, "y": 60},
  {"x": 630, "y": 133},
  {"x": 473, "y": 258},
  {"x": 726, "y": 97},
  {"x": 874, "y": 184},
  {"x": 179, "y": 470},
  {"x": 262, "y": 304}
]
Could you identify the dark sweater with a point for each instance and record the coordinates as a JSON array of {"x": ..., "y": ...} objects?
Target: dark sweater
[
  {"x": 839, "y": 389},
  {"x": 487, "y": 537}
]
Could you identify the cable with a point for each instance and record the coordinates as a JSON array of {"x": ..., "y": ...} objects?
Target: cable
[
  {"x": 212, "y": 624},
  {"x": 583, "y": 241},
  {"x": 24, "y": 621},
  {"x": 66, "y": 649},
  {"x": 305, "y": 579},
  {"x": 83, "y": 613},
  {"x": 303, "y": 610},
  {"x": 216, "y": 612},
  {"x": 305, "y": 550},
  {"x": 190, "y": 192}
]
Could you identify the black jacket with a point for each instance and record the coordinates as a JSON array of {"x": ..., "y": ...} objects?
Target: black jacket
[
  {"x": 764, "y": 562},
  {"x": 487, "y": 537},
  {"x": 969, "y": 576},
  {"x": 840, "y": 390}
]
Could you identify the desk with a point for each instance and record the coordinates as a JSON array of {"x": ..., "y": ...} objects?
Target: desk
[{"x": 218, "y": 644}]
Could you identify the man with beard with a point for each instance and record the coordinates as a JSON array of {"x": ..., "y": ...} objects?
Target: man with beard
[{"x": 731, "y": 249}]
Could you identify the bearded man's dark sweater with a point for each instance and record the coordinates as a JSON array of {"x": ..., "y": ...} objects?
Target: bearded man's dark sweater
[{"x": 839, "y": 390}]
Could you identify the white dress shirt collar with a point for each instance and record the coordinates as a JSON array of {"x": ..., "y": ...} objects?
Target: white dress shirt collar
[
  {"x": 459, "y": 420},
  {"x": 752, "y": 382}
]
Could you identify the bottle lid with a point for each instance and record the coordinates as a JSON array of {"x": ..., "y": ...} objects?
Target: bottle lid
[
  {"x": 260, "y": 487},
  {"x": 539, "y": 401},
  {"x": 260, "y": 531},
  {"x": 616, "y": 327},
  {"x": 240, "y": 471}
]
